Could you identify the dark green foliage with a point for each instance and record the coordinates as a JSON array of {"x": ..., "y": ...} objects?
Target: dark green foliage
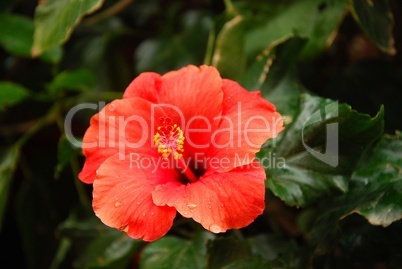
[{"x": 331, "y": 67}]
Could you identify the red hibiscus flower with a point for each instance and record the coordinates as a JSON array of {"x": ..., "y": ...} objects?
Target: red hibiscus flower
[{"x": 182, "y": 142}]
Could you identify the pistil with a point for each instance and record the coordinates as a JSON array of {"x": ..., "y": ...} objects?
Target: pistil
[
  {"x": 170, "y": 140},
  {"x": 186, "y": 170}
]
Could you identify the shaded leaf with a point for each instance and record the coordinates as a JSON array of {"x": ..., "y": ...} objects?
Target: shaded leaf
[
  {"x": 98, "y": 245},
  {"x": 225, "y": 251},
  {"x": 8, "y": 163},
  {"x": 11, "y": 94},
  {"x": 229, "y": 55},
  {"x": 56, "y": 19},
  {"x": 160, "y": 55},
  {"x": 172, "y": 252},
  {"x": 16, "y": 34},
  {"x": 376, "y": 191},
  {"x": 281, "y": 56},
  {"x": 269, "y": 246},
  {"x": 16, "y": 37},
  {"x": 380, "y": 180},
  {"x": 75, "y": 227},
  {"x": 177, "y": 48},
  {"x": 112, "y": 250},
  {"x": 323, "y": 28},
  {"x": 65, "y": 152},
  {"x": 315, "y": 20},
  {"x": 78, "y": 80},
  {"x": 369, "y": 245},
  {"x": 376, "y": 19},
  {"x": 278, "y": 252}
]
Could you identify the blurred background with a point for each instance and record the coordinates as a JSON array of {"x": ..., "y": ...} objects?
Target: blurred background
[{"x": 46, "y": 219}]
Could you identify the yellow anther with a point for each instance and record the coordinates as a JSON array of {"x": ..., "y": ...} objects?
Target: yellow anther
[
  {"x": 169, "y": 139},
  {"x": 177, "y": 155}
]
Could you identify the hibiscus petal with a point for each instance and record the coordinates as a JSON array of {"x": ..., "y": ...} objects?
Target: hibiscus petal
[
  {"x": 122, "y": 195},
  {"x": 120, "y": 127},
  {"x": 219, "y": 201},
  {"x": 145, "y": 86},
  {"x": 196, "y": 94},
  {"x": 248, "y": 120}
]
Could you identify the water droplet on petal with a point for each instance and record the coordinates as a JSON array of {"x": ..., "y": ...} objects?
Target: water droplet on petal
[
  {"x": 117, "y": 204},
  {"x": 191, "y": 205},
  {"x": 138, "y": 203},
  {"x": 112, "y": 107},
  {"x": 222, "y": 205},
  {"x": 143, "y": 214},
  {"x": 123, "y": 228},
  {"x": 215, "y": 229}
]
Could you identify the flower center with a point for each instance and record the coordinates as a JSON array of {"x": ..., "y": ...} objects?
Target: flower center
[{"x": 169, "y": 139}]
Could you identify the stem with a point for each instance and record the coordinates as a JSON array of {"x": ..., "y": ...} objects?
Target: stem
[
  {"x": 113, "y": 10},
  {"x": 229, "y": 7},
  {"x": 187, "y": 171},
  {"x": 75, "y": 168},
  {"x": 82, "y": 195},
  {"x": 210, "y": 47},
  {"x": 51, "y": 116}
]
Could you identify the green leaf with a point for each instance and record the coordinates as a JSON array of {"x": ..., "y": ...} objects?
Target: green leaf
[
  {"x": 323, "y": 27},
  {"x": 375, "y": 193},
  {"x": 77, "y": 226},
  {"x": 16, "y": 37},
  {"x": 16, "y": 34},
  {"x": 8, "y": 163},
  {"x": 78, "y": 80},
  {"x": 379, "y": 178},
  {"x": 56, "y": 19},
  {"x": 318, "y": 151},
  {"x": 322, "y": 142},
  {"x": 281, "y": 56},
  {"x": 376, "y": 19},
  {"x": 111, "y": 250},
  {"x": 315, "y": 20},
  {"x": 97, "y": 245},
  {"x": 172, "y": 252},
  {"x": 269, "y": 246},
  {"x": 229, "y": 55},
  {"x": 176, "y": 48},
  {"x": 11, "y": 94},
  {"x": 65, "y": 152},
  {"x": 280, "y": 252},
  {"x": 225, "y": 251}
]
